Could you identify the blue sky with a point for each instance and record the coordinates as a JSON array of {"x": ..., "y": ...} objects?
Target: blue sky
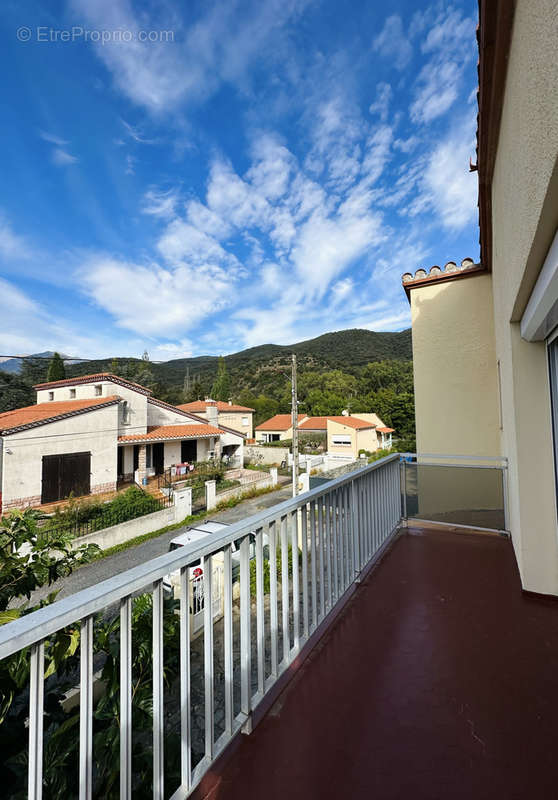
[{"x": 260, "y": 172}]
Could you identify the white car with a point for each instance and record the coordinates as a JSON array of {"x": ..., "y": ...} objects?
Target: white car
[{"x": 196, "y": 534}]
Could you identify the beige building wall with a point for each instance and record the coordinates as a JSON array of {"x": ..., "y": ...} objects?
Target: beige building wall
[
  {"x": 261, "y": 436},
  {"x": 525, "y": 219},
  {"x": 370, "y": 436},
  {"x": 455, "y": 368},
  {"x": 240, "y": 421},
  {"x": 337, "y": 428},
  {"x": 366, "y": 439}
]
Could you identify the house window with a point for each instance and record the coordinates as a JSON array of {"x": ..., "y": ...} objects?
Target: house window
[
  {"x": 51, "y": 395},
  {"x": 72, "y": 393},
  {"x": 125, "y": 413},
  {"x": 149, "y": 456},
  {"x": 98, "y": 390},
  {"x": 245, "y": 421},
  {"x": 341, "y": 439}
]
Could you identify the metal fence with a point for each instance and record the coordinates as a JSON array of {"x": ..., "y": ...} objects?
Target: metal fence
[
  {"x": 112, "y": 516},
  {"x": 309, "y": 552}
]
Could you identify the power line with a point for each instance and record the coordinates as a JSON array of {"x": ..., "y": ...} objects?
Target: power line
[{"x": 79, "y": 359}]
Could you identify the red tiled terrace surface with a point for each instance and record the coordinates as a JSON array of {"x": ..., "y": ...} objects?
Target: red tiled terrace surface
[{"x": 437, "y": 682}]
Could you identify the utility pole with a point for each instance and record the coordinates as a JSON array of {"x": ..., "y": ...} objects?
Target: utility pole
[{"x": 294, "y": 421}]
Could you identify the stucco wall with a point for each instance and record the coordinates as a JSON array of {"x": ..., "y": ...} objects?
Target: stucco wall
[
  {"x": 265, "y": 455},
  {"x": 233, "y": 419},
  {"x": 93, "y": 431},
  {"x": 137, "y": 402},
  {"x": 455, "y": 368},
  {"x": 367, "y": 439},
  {"x": 334, "y": 428},
  {"x": 156, "y": 415},
  {"x": 260, "y": 436},
  {"x": 525, "y": 218}
]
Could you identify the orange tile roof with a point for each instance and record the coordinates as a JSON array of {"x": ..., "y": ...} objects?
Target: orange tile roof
[
  {"x": 353, "y": 422},
  {"x": 386, "y": 430},
  {"x": 320, "y": 423},
  {"x": 314, "y": 424},
  {"x": 41, "y": 413},
  {"x": 98, "y": 376},
  {"x": 161, "y": 432},
  {"x": 280, "y": 422},
  {"x": 200, "y": 405}
]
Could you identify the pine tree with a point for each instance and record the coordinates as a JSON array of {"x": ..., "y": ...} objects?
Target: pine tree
[
  {"x": 56, "y": 370},
  {"x": 221, "y": 388}
]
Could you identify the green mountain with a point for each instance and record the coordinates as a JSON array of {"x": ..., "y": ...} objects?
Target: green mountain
[
  {"x": 347, "y": 350},
  {"x": 362, "y": 369}
]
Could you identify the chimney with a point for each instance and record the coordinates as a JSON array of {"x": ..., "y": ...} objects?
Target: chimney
[
  {"x": 230, "y": 402},
  {"x": 211, "y": 412}
]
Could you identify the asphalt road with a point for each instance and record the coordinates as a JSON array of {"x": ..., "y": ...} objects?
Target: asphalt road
[{"x": 98, "y": 571}]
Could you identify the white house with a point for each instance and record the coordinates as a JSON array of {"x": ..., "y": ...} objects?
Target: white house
[
  {"x": 87, "y": 434},
  {"x": 277, "y": 428}
]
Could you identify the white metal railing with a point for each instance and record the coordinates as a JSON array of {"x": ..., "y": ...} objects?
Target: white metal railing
[{"x": 333, "y": 532}]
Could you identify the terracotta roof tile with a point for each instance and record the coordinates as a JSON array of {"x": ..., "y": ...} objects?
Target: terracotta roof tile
[
  {"x": 353, "y": 422},
  {"x": 314, "y": 424},
  {"x": 386, "y": 430},
  {"x": 41, "y": 413},
  {"x": 436, "y": 274},
  {"x": 98, "y": 376},
  {"x": 198, "y": 406},
  {"x": 161, "y": 432},
  {"x": 280, "y": 422}
]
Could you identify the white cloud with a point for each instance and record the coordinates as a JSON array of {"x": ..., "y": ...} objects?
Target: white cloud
[
  {"x": 380, "y": 105},
  {"x": 218, "y": 46},
  {"x": 159, "y": 203},
  {"x": 183, "y": 243},
  {"x": 153, "y": 300},
  {"x": 131, "y": 162},
  {"x": 392, "y": 42},
  {"x": 30, "y": 327},
  {"x": 136, "y": 133},
  {"x": 439, "y": 89},
  {"x": 52, "y": 139},
  {"x": 406, "y": 145},
  {"x": 62, "y": 158},
  {"x": 12, "y": 246},
  {"x": 447, "y": 186},
  {"x": 439, "y": 81}
]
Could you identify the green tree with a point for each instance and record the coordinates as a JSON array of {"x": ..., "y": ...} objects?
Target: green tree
[
  {"x": 14, "y": 392},
  {"x": 221, "y": 389},
  {"x": 31, "y": 557},
  {"x": 56, "y": 370}
]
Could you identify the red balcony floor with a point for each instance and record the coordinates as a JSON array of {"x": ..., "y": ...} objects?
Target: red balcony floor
[{"x": 439, "y": 680}]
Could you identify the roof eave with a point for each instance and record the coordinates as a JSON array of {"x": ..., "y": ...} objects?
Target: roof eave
[{"x": 494, "y": 38}]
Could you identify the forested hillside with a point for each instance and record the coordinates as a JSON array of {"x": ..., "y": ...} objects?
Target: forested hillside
[{"x": 356, "y": 369}]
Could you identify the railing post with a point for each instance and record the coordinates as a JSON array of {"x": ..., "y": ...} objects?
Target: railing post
[
  {"x": 86, "y": 709},
  {"x": 126, "y": 698},
  {"x": 158, "y": 709},
  {"x": 245, "y": 641},
  {"x": 355, "y": 529},
  {"x": 403, "y": 483},
  {"x": 36, "y": 703}
]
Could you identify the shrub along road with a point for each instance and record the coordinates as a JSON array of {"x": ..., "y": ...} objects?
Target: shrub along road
[{"x": 100, "y": 570}]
